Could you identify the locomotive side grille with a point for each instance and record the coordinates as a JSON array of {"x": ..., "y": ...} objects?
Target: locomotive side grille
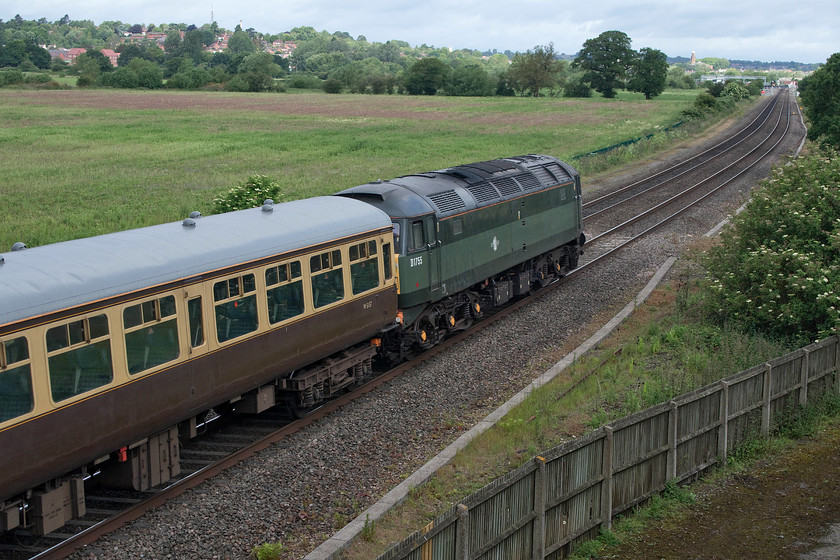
[
  {"x": 447, "y": 201},
  {"x": 558, "y": 172},
  {"x": 507, "y": 186},
  {"x": 483, "y": 192},
  {"x": 528, "y": 181}
]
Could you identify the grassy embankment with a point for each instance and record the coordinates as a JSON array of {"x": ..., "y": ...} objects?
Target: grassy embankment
[{"x": 80, "y": 163}]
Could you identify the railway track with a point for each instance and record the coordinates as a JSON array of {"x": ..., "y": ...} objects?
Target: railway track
[{"x": 223, "y": 440}]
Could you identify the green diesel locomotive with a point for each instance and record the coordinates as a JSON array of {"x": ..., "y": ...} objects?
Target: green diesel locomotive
[{"x": 472, "y": 237}]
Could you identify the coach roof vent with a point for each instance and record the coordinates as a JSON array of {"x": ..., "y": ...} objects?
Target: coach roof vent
[
  {"x": 268, "y": 205},
  {"x": 190, "y": 222},
  {"x": 19, "y": 246}
]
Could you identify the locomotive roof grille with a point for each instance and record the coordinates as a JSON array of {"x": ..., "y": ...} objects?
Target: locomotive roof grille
[
  {"x": 543, "y": 175},
  {"x": 447, "y": 201},
  {"x": 558, "y": 172},
  {"x": 484, "y": 192},
  {"x": 507, "y": 186},
  {"x": 528, "y": 181}
]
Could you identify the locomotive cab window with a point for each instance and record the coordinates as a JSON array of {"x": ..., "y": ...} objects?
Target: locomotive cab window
[
  {"x": 397, "y": 235},
  {"x": 151, "y": 334},
  {"x": 364, "y": 267},
  {"x": 79, "y": 357},
  {"x": 327, "y": 278},
  {"x": 418, "y": 236},
  {"x": 15, "y": 379},
  {"x": 235, "y": 303},
  {"x": 386, "y": 258},
  {"x": 284, "y": 294}
]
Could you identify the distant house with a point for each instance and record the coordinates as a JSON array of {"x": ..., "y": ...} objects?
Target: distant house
[
  {"x": 220, "y": 44},
  {"x": 72, "y": 54},
  {"x": 111, "y": 55},
  {"x": 154, "y": 36},
  {"x": 283, "y": 48},
  {"x": 69, "y": 55}
]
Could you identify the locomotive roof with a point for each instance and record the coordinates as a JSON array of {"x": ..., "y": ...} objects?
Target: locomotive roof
[
  {"x": 58, "y": 276},
  {"x": 455, "y": 190}
]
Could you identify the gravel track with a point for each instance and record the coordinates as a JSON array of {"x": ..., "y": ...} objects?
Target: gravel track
[{"x": 302, "y": 490}]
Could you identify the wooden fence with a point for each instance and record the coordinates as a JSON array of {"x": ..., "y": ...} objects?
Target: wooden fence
[{"x": 545, "y": 508}]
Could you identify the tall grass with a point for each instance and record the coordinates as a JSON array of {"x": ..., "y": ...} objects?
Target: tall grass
[{"x": 75, "y": 163}]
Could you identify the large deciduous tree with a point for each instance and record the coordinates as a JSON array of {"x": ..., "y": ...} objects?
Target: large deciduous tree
[
  {"x": 605, "y": 61},
  {"x": 649, "y": 73},
  {"x": 427, "y": 76},
  {"x": 471, "y": 80},
  {"x": 819, "y": 93},
  {"x": 533, "y": 71},
  {"x": 241, "y": 43}
]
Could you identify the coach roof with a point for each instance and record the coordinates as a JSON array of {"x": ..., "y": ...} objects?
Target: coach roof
[{"x": 63, "y": 275}]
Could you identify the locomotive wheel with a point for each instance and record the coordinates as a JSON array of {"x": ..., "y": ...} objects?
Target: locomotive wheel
[
  {"x": 475, "y": 309},
  {"x": 427, "y": 335}
]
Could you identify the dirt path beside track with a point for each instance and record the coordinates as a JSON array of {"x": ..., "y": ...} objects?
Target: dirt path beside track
[{"x": 786, "y": 507}]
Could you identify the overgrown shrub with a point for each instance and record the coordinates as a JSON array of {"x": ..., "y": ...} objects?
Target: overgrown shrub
[
  {"x": 331, "y": 85},
  {"x": 39, "y": 78},
  {"x": 10, "y": 77},
  {"x": 577, "y": 88},
  {"x": 777, "y": 269},
  {"x": 248, "y": 194},
  {"x": 735, "y": 91},
  {"x": 304, "y": 81}
]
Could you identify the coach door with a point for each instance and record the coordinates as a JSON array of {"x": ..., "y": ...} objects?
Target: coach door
[{"x": 196, "y": 327}]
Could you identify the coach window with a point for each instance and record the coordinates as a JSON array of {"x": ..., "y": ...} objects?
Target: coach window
[
  {"x": 196, "y": 317},
  {"x": 284, "y": 293},
  {"x": 151, "y": 334},
  {"x": 327, "y": 278},
  {"x": 15, "y": 379},
  {"x": 79, "y": 357},
  {"x": 364, "y": 267},
  {"x": 235, "y": 300}
]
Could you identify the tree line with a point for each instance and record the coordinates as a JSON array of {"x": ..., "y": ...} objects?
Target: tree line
[{"x": 334, "y": 62}]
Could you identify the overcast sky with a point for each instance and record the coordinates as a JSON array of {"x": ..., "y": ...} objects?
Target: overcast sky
[{"x": 770, "y": 30}]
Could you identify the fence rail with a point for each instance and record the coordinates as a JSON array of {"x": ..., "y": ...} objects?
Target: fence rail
[{"x": 546, "y": 507}]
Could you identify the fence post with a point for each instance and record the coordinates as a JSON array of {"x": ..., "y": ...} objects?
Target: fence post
[
  {"x": 837, "y": 365},
  {"x": 765, "y": 409},
  {"x": 538, "y": 549},
  {"x": 672, "y": 442},
  {"x": 803, "y": 379},
  {"x": 607, "y": 482},
  {"x": 723, "y": 430},
  {"x": 462, "y": 533}
]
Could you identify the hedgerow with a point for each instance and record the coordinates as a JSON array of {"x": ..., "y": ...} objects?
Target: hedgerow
[{"x": 777, "y": 268}]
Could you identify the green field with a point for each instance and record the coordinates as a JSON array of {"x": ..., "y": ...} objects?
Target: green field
[{"x": 76, "y": 163}]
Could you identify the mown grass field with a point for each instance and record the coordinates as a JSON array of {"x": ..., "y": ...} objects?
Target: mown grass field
[{"x": 76, "y": 163}]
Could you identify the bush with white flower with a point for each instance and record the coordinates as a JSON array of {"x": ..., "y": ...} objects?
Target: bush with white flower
[{"x": 777, "y": 269}]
